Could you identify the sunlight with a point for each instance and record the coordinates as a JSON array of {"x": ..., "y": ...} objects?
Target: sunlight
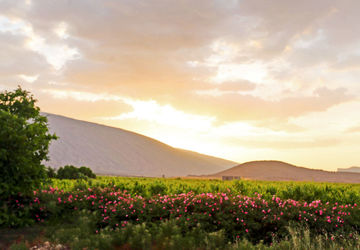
[{"x": 151, "y": 111}]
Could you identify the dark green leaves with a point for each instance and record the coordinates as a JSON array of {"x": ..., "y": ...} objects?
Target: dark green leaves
[{"x": 24, "y": 143}]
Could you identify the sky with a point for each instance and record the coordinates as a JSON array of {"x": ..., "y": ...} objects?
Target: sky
[{"x": 238, "y": 79}]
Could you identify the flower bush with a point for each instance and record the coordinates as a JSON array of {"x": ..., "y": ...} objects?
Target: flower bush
[{"x": 239, "y": 216}]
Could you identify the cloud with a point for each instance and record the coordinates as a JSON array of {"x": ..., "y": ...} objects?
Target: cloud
[
  {"x": 82, "y": 96},
  {"x": 151, "y": 111},
  {"x": 55, "y": 53},
  {"x": 80, "y": 104},
  {"x": 286, "y": 143},
  {"x": 141, "y": 51},
  {"x": 238, "y": 106},
  {"x": 277, "y": 65},
  {"x": 29, "y": 78},
  {"x": 355, "y": 129},
  {"x": 14, "y": 60}
]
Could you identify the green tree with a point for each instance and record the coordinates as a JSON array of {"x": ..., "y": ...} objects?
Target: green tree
[
  {"x": 68, "y": 172},
  {"x": 24, "y": 143},
  {"x": 71, "y": 172},
  {"x": 87, "y": 172},
  {"x": 51, "y": 172}
]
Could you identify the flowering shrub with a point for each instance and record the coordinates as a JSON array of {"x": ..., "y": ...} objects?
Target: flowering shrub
[{"x": 239, "y": 216}]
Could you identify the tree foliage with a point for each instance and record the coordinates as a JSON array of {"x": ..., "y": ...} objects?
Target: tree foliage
[
  {"x": 51, "y": 172},
  {"x": 24, "y": 143},
  {"x": 71, "y": 172}
]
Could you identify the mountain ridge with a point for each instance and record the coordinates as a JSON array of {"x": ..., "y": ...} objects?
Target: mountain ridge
[
  {"x": 273, "y": 170},
  {"x": 352, "y": 169},
  {"x": 115, "y": 151}
]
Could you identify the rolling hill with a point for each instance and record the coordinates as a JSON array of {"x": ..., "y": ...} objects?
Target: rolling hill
[
  {"x": 113, "y": 151},
  {"x": 281, "y": 171},
  {"x": 353, "y": 169}
]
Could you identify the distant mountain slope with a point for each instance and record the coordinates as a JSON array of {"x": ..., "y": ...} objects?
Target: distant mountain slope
[
  {"x": 281, "y": 171},
  {"x": 115, "y": 151},
  {"x": 349, "y": 170}
]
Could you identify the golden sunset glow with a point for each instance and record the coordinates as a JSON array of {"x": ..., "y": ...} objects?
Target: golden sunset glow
[{"x": 223, "y": 78}]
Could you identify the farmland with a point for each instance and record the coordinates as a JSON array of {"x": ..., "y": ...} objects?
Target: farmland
[
  {"x": 191, "y": 213},
  {"x": 147, "y": 187}
]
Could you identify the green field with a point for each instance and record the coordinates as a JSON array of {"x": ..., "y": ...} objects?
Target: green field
[
  {"x": 161, "y": 213},
  {"x": 147, "y": 187}
]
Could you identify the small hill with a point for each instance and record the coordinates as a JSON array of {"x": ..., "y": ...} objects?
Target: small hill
[
  {"x": 282, "y": 171},
  {"x": 113, "y": 151},
  {"x": 349, "y": 170}
]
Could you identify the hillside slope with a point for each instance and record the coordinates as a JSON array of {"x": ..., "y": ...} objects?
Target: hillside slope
[
  {"x": 115, "y": 151},
  {"x": 353, "y": 169},
  {"x": 281, "y": 171}
]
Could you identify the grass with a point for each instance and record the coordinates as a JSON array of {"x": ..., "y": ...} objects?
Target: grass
[
  {"x": 168, "y": 236},
  {"x": 23, "y": 236}
]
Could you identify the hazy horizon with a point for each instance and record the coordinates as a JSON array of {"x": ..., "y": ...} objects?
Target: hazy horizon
[{"x": 241, "y": 80}]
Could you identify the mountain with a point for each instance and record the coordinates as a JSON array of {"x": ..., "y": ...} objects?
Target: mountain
[
  {"x": 349, "y": 170},
  {"x": 113, "y": 151},
  {"x": 282, "y": 171}
]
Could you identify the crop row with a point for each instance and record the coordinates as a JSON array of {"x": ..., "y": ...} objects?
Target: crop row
[{"x": 147, "y": 187}]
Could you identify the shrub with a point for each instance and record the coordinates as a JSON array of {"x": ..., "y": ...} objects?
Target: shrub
[{"x": 71, "y": 172}]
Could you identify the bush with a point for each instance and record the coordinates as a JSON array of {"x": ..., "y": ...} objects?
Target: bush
[{"x": 71, "y": 172}]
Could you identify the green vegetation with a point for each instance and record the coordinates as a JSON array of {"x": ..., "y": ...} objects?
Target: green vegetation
[
  {"x": 160, "y": 213},
  {"x": 74, "y": 209},
  {"x": 71, "y": 172},
  {"x": 147, "y": 187},
  {"x": 167, "y": 235},
  {"x": 50, "y": 172},
  {"x": 24, "y": 141}
]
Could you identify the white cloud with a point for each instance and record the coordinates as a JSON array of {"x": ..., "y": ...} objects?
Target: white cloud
[
  {"x": 310, "y": 40},
  {"x": 82, "y": 96},
  {"x": 61, "y": 30},
  {"x": 56, "y": 54},
  {"x": 253, "y": 72},
  {"x": 14, "y": 26},
  {"x": 214, "y": 92},
  {"x": 29, "y": 78},
  {"x": 224, "y": 54}
]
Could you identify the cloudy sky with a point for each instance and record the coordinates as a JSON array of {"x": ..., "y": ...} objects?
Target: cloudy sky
[{"x": 243, "y": 80}]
